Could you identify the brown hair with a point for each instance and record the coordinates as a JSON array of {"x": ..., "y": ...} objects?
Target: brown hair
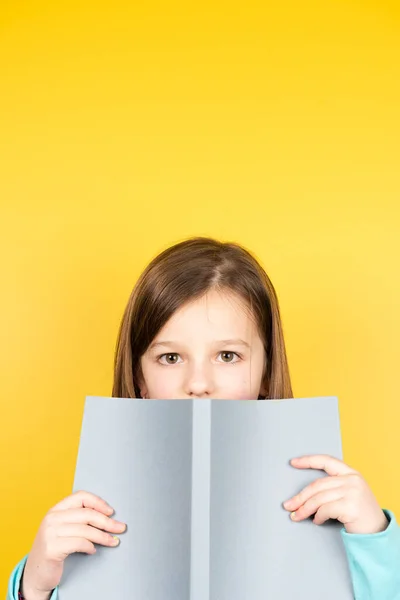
[{"x": 187, "y": 271}]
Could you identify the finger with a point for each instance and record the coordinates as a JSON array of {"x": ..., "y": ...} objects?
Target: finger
[
  {"x": 70, "y": 545},
  {"x": 332, "y": 510},
  {"x": 89, "y": 533},
  {"x": 84, "y": 499},
  {"x": 332, "y": 466},
  {"x": 312, "y": 505},
  {"x": 86, "y": 516},
  {"x": 317, "y": 486}
]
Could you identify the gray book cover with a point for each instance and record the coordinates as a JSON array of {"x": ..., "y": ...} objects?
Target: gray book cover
[{"x": 200, "y": 484}]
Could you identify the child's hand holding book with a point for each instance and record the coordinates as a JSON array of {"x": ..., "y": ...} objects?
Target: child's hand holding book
[
  {"x": 344, "y": 496},
  {"x": 74, "y": 525}
]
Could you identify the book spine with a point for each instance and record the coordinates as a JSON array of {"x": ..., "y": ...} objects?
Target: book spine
[{"x": 200, "y": 516}]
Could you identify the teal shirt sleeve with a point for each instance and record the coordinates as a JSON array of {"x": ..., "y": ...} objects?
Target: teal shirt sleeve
[
  {"x": 15, "y": 580},
  {"x": 374, "y": 561}
]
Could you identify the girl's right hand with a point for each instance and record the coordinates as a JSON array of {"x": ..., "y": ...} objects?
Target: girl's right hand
[{"x": 73, "y": 525}]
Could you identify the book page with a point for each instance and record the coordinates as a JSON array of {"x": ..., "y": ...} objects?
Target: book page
[
  {"x": 256, "y": 551},
  {"x": 136, "y": 455}
]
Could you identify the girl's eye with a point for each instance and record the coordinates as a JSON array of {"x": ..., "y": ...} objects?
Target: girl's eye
[
  {"x": 170, "y": 358},
  {"x": 228, "y": 357}
]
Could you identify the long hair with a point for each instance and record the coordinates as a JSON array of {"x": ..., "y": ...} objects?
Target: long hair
[{"x": 186, "y": 271}]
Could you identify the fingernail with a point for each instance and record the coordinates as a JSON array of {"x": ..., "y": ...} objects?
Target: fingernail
[
  {"x": 110, "y": 510},
  {"x": 287, "y": 503},
  {"x": 115, "y": 540},
  {"x": 293, "y": 515}
]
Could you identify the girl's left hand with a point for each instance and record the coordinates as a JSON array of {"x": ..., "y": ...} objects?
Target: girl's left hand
[{"x": 344, "y": 496}]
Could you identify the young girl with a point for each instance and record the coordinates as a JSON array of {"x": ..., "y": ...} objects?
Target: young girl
[{"x": 203, "y": 321}]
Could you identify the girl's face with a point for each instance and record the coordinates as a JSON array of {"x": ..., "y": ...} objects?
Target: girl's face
[{"x": 210, "y": 348}]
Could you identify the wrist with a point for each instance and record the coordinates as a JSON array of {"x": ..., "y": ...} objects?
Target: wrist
[
  {"x": 381, "y": 524},
  {"x": 26, "y": 594},
  {"x": 370, "y": 527}
]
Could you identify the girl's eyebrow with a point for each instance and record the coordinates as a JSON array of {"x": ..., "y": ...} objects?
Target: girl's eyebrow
[
  {"x": 155, "y": 344},
  {"x": 232, "y": 342}
]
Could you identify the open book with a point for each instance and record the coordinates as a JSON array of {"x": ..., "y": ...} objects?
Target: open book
[{"x": 200, "y": 484}]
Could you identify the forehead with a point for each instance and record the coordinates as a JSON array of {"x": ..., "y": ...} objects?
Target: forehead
[{"x": 215, "y": 313}]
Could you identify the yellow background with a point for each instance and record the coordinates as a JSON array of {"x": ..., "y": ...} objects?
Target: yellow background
[{"x": 127, "y": 126}]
